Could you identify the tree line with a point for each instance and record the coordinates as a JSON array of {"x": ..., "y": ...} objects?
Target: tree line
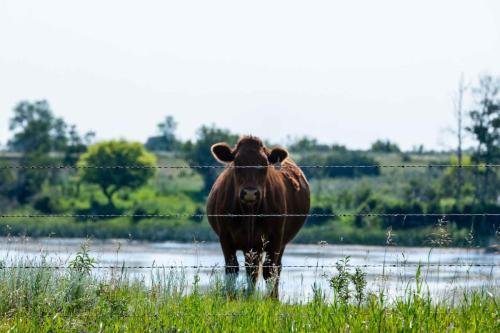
[{"x": 41, "y": 138}]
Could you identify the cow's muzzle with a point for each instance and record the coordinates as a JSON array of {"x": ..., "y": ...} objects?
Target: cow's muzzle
[{"x": 249, "y": 195}]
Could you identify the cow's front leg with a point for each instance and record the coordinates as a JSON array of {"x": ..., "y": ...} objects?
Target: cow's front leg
[
  {"x": 272, "y": 267},
  {"x": 231, "y": 261},
  {"x": 232, "y": 266}
]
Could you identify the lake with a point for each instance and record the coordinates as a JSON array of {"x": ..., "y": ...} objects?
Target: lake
[{"x": 388, "y": 269}]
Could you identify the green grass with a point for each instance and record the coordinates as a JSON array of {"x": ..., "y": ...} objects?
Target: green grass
[
  {"x": 155, "y": 229},
  {"x": 47, "y": 300},
  {"x": 342, "y": 232},
  {"x": 187, "y": 230},
  {"x": 163, "y": 229}
]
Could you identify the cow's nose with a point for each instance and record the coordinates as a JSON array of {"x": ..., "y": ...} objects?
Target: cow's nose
[{"x": 249, "y": 194}]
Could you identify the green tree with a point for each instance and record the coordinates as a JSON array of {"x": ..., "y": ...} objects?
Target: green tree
[
  {"x": 485, "y": 129},
  {"x": 36, "y": 129},
  {"x": 199, "y": 153},
  {"x": 455, "y": 179},
  {"x": 339, "y": 156},
  {"x": 116, "y": 153},
  {"x": 7, "y": 184},
  {"x": 76, "y": 145},
  {"x": 166, "y": 140},
  {"x": 36, "y": 133},
  {"x": 306, "y": 144},
  {"x": 385, "y": 146},
  {"x": 485, "y": 120}
]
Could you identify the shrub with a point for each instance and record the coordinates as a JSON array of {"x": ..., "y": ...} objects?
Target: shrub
[{"x": 115, "y": 154}]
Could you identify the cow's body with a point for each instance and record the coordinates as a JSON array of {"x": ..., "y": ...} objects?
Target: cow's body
[{"x": 271, "y": 190}]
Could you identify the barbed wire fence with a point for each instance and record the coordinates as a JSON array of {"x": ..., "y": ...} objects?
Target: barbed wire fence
[
  {"x": 229, "y": 215},
  {"x": 402, "y": 166},
  {"x": 218, "y": 267}
]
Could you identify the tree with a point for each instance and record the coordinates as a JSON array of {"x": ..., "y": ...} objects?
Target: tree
[
  {"x": 305, "y": 144},
  {"x": 166, "y": 140},
  {"x": 485, "y": 129},
  {"x": 339, "y": 156},
  {"x": 37, "y": 132},
  {"x": 7, "y": 184},
  {"x": 116, "y": 153},
  {"x": 418, "y": 149},
  {"x": 76, "y": 145},
  {"x": 36, "y": 129},
  {"x": 386, "y": 146},
  {"x": 200, "y": 154}
]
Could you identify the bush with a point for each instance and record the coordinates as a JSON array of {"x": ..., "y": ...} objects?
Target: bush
[
  {"x": 113, "y": 154},
  {"x": 381, "y": 146},
  {"x": 339, "y": 158}
]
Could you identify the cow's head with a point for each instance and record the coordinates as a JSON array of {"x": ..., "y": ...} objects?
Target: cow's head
[{"x": 251, "y": 161}]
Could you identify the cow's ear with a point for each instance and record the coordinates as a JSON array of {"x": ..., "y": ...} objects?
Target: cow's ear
[
  {"x": 222, "y": 152},
  {"x": 277, "y": 155}
]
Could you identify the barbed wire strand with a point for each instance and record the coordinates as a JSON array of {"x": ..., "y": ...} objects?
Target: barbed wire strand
[
  {"x": 178, "y": 215},
  {"x": 244, "y": 166},
  {"x": 218, "y": 267}
]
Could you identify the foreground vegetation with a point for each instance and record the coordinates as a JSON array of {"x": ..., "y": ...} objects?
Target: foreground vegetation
[{"x": 73, "y": 300}]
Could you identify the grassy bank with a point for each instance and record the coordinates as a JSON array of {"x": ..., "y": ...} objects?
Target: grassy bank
[
  {"x": 157, "y": 230},
  {"x": 43, "y": 299}
]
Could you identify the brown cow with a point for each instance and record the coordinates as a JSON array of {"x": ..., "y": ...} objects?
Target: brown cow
[{"x": 274, "y": 185}]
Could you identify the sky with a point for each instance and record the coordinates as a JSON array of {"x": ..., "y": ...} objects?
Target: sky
[{"x": 346, "y": 72}]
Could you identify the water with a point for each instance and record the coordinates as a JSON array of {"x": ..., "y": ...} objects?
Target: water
[{"x": 443, "y": 282}]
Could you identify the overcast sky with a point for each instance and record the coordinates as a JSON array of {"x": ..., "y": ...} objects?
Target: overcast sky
[{"x": 347, "y": 71}]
